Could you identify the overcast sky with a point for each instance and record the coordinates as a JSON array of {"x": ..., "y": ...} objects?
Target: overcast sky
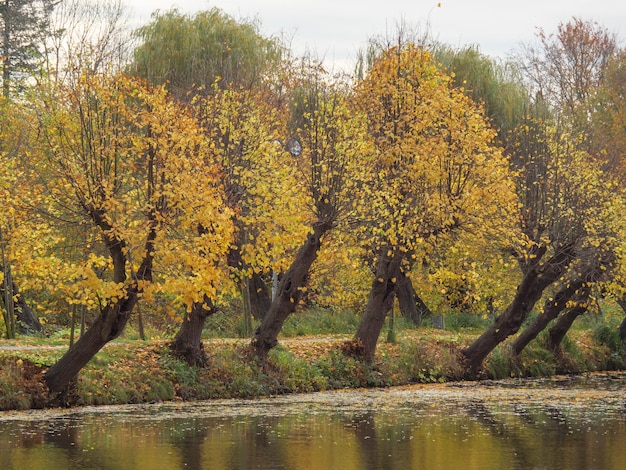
[{"x": 337, "y": 29}]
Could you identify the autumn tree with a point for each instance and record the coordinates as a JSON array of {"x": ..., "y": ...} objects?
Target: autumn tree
[
  {"x": 126, "y": 160},
  {"x": 609, "y": 103},
  {"x": 473, "y": 275},
  {"x": 596, "y": 266},
  {"x": 333, "y": 156},
  {"x": 608, "y": 143},
  {"x": 261, "y": 189},
  {"x": 221, "y": 67},
  {"x": 566, "y": 68},
  {"x": 437, "y": 172},
  {"x": 15, "y": 138},
  {"x": 24, "y": 26},
  {"x": 559, "y": 217},
  {"x": 562, "y": 195}
]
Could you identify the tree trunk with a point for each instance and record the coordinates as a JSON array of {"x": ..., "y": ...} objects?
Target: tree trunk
[
  {"x": 622, "y": 327},
  {"x": 28, "y": 322},
  {"x": 6, "y": 295},
  {"x": 289, "y": 293},
  {"x": 552, "y": 308},
  {"x": 562, "y": 326},
  {"x": 142, "y": 331},
  {"x": 379, "y": 302},
  {"x": 112, "y": 319},
  {"x": 256, "y": 290},
  {"x": 535, "y": 281},
  {"x": 107, "y": 326},
  {"x": 259, "y": 297},
  {"x": 187, "y": 344},
  {"x": 411, "y": 305}
]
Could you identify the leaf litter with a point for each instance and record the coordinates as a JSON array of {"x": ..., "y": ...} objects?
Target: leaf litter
[{"x": 599, "y": 394}]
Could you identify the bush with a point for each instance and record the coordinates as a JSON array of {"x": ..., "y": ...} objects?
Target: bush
[
  {"x": 21, "y": 387},
  {"x": 296, "y": 375},
  {"x": 498, "y": 363},
  {"x": 608, "y": 335},
  {"x": 112, "y": 377}
]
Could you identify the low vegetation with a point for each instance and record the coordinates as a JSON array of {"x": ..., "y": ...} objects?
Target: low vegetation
[{"x": 309, "y": 358}]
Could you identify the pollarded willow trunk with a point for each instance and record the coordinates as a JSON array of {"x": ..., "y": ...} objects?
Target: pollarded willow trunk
[
  {"x": 562, "y": 326},
  {"x": 379, "y": 302},
  {"x": 28, "y": 322},
  {"x": 530, "y": 290},
  {"x": 552, "y": 308},
  {"x": 289, "y": 293},
  {"x": 107, "y": 326},
  {"x": 411, "y": 305},
  {"x": 187, "y": 344},
  {"x": 114, "y": 317}
]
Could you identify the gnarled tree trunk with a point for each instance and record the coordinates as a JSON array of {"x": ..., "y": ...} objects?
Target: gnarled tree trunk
[
  {"x": 27, "y": 321},
  {"x": 113, "y": 318},
  {"x": 259, "y": 297},
  {"x": 188, "y": 341},
  {"x": 107, "y": 326},
  {"x": 255, "y": 290},
  {"x": 379, "y": 302},
  {"x": 562, "y": 326},
  {"x": 552, "y": 308},
  {"x": 535, "y": 281},
  {"x": 289, "y": 292},
  {"x": 411, "y": 305}
]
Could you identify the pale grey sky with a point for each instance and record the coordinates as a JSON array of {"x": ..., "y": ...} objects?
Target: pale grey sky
[{"x": 336, "y": 29}]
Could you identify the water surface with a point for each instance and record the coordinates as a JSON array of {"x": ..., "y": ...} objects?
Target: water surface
[{"x": 573, "y": 423}]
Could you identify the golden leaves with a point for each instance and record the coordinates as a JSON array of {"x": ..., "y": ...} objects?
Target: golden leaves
[{"x": 438, "y": 169}]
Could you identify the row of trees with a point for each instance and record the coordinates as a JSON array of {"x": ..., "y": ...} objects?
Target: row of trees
[{"x": 191, "y": 171}]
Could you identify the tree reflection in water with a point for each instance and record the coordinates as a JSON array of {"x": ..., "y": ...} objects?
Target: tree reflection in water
[{"x": 440, "y": 427}]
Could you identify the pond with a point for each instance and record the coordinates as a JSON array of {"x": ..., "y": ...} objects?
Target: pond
[{"x": 562, "y": 422}]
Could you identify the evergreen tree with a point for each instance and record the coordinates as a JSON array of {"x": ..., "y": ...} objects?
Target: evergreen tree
[{"x": 24, "y": 24}]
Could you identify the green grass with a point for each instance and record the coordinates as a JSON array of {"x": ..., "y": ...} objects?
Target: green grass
[{"x": 133, "y": 371}]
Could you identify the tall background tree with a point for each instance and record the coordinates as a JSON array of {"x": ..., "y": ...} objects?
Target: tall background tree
[
  {"x": 87, "y": 35},
  {"x": 24, "y": 26},
  {"x": 188, "y": 52},
  {"x": 15, "y": 139},
  {"x": 566, "y": 68}
]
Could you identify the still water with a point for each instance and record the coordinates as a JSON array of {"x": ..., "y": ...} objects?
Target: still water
[{"x": 559, "y": 423}]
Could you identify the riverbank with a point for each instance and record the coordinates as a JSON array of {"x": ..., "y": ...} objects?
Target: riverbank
[{"x": 133, "y": 371}]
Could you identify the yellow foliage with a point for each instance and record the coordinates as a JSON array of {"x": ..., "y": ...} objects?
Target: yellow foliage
[
  {"x": 438, "y": 169},
  {"x": 126, "y": 158}
]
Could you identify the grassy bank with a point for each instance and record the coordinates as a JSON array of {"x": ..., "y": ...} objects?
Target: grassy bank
[{"x": 133, "y": 371}]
